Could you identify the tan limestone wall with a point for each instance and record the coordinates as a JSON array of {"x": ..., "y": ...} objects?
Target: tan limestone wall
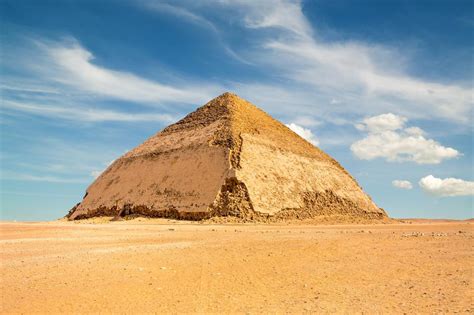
[
  {"x": 187, "y": 181},
  {"x": 278, "y": 179}
]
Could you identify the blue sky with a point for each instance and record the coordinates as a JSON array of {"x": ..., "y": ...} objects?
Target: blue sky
[{"x": 385, "y": 87}]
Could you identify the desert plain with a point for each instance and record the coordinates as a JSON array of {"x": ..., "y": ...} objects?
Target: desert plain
[{"x": 167, "y": 266}]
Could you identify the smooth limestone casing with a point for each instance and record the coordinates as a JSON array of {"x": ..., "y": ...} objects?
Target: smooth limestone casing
[
  {"x": 182, "y": 172},
  {"x": 277, "y": 179}
]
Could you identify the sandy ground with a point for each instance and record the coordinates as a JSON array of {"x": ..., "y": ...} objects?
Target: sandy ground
[{"x": 166, "y": 266}]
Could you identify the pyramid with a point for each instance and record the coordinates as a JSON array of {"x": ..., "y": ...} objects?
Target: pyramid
[{"x": 227, "y": 158}]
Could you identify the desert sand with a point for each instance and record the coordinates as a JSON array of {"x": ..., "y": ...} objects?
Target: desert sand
[{"x": 174, "y": 266}]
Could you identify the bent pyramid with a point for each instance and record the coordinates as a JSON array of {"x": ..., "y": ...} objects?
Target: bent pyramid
[{"x": 228, "y": 158}]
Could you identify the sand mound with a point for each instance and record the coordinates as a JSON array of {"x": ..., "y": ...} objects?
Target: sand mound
[{"x": 228, "y": 158}]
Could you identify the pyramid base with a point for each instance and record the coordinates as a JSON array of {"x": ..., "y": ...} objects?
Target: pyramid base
[{"x": 233, "y": 204}]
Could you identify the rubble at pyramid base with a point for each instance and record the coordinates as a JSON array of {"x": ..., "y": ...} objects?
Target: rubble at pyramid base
[{"x": 233, "y": 204}]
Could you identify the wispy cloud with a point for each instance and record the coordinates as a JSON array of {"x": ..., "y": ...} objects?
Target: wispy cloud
[
  {"x": 181, "y": 12},
  {"x": 51, "y": 179},
  {"x": 25, "y": 87},
  {"x": 42, "y": 194},
  {"x": 52, "y": 159},
  {"x": 80, "y": 113},
  {"x": 281, "y": 14},
  {"x": 71, "y": 64},
  {"x": 173, "y": 8}
]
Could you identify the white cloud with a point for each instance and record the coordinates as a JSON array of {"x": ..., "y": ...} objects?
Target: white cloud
[
  {"x": 304, "y": 133},
  {"x": 402, "y": 184},
  {"x": 448, "y": 187},
  {"x": 387, "y": 139},
  {"x": 80, "y": 113},
  {"x": 382, "y": 123}
]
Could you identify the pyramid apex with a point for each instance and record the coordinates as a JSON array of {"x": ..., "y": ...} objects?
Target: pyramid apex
[
  {"x": 228, "y": 99},
  {"x": 229, "y": 96}
]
